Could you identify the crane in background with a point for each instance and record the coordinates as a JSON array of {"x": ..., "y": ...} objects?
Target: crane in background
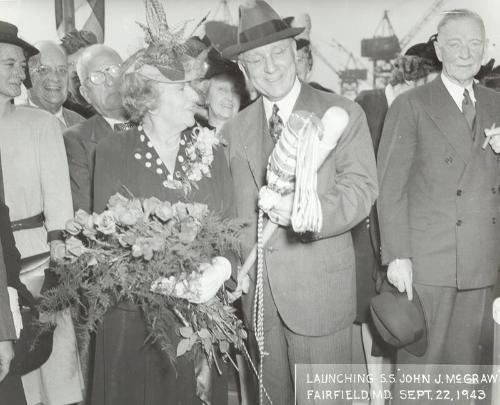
[
  {"x": 381, "y": 49},
  {"x": 385, "y": 45},
  {"x": 353, "y": 71},
  {"x": 433, "y": 9}
]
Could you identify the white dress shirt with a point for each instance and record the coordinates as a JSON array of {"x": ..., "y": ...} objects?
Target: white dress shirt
[
  {"x": 285, "y": 105},
  {"x": 112, "y": 121},
  {"x": 58, "y": 114},
  {"x": 457, "y": 92}
]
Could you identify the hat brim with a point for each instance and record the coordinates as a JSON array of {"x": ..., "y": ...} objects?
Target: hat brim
[
  {"x": 418, "y": 347},
  {"x": 233, "y": 51},
  {"x": 29, "y": 50}
]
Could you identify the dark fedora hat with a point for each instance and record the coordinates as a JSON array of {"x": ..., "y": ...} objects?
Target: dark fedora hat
[
  {"x": 259, "y": 25},
  {"x": 8, "y": 35},
  {"x": 400, "y": 322}
]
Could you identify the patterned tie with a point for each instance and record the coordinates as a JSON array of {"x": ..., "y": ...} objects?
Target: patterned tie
[
  {"x": 275, "y": 124},
  {"x": 468, "y": 109},
  {"x": 124, "y": 126}
]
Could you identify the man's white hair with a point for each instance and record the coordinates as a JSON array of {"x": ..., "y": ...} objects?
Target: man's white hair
[{"x": 87, "y": 55}]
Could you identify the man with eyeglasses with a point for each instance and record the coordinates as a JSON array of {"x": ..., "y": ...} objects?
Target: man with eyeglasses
[
  {"x": 308, "y": 279},
  {"x": 49, "y": 78},
  {"x": 99, "y": 71}
]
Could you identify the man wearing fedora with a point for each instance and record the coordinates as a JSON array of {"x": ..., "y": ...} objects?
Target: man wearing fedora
[
  {"x": 439, "y": 195},
  {"x": 309, "y": 280},
  {"x": 37, "y": 191}
]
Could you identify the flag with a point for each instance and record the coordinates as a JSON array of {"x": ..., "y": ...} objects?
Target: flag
[
  {"x": 65, "y": 16},
  {"x": 85, "y": 15}
]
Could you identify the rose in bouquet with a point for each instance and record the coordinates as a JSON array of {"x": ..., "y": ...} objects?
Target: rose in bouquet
[{"x": 163, "y": 257}]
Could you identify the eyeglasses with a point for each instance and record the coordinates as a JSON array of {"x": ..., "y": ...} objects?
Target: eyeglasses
[
  {"x": 258, "y": 60},
  {"x": 98, "y": 77},
  {"x": 44, "y": 70}
]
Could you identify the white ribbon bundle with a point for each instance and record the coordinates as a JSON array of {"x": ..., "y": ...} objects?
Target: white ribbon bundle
[{"x": 303, "y": 147}]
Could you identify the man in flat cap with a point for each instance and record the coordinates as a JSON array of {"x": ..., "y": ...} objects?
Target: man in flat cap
[{"x": 309, "y": 280}]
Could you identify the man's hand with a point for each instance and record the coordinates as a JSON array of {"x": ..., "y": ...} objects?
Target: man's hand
[
  {"x": 6, "y": 356},
  {"x": 400, "y": 275},
  {"x": 57, "y": 249},
  {"x": 242, "y": 288},
  {"x": 281, "y": 213}
]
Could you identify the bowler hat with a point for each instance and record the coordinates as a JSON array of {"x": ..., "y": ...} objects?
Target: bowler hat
[
  {"x": 259, "y": 25},
  {"x": 8, "y": 35},
  {"x": 399, "y": 321}
]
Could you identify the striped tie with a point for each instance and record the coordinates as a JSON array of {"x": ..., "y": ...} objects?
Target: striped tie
[
  {"x": 275, "y": 124},
  {"x": 468, "y": 109}
]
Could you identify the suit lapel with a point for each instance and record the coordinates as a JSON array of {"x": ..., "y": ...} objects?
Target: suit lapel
[
  {"x": 302, "y": 101},
  {"x": 448, "y": 118},
  {"x": 254, "y": 135},
  {"x": 100, "y": 129},
  {"x": 251, "y": 136},
  {"x": 486, "y": 115}
]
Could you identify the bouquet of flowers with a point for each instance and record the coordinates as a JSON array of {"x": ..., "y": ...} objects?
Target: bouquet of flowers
[{"x": 151, "y": 253}]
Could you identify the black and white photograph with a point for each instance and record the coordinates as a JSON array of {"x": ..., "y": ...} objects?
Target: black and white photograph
[{"x": 249, "y": 202}]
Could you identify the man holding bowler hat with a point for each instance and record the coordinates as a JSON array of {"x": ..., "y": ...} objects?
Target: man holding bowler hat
[
  {"x": 309, "y": 280},
  {"x": 439, "y": 195}
]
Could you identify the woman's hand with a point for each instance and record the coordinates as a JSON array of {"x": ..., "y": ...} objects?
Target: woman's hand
[
  {"x": 57, "y": 249},
  {"x": 213, "y": 275},
  {"x": 6, "y": 356}
]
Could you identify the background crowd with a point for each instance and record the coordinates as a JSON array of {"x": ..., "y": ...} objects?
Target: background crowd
[{"x": 93, "y": 123}]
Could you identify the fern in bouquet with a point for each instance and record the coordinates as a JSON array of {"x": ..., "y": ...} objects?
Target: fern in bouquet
[{"x": 151, "y": 253}]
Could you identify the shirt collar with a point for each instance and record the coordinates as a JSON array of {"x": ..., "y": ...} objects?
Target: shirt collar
[
  {"x": 286, "y": 104},
  {"x": 112, "y": 121},
  {"x": 59, "y": 114},
  {"x": 457, "y": 92}
]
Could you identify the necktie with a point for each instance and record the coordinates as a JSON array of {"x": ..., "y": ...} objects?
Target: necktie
[
  {"x": 123, "y": 126},
  {"x": 468, "y": 109},
  {"x": 275, "y": 124}
]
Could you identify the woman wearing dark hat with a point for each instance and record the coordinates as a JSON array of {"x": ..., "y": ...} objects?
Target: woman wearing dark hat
[
  {"x": 225, "y": 90},
  {"x": 416, "y": 67}
]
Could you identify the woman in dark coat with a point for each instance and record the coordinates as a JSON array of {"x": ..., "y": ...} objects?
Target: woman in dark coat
[{"x": 152, "y": 160}]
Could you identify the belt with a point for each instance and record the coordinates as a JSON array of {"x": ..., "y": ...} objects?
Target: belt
[{"x": 36, "y": 221}]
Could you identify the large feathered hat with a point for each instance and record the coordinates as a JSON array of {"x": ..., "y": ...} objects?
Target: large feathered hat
[{"x": 167, "y": 57}]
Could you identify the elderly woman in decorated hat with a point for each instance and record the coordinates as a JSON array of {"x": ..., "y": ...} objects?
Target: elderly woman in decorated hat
[
  {"x": 309, "y": 290},
  {"x": 156, "y": 159}
]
